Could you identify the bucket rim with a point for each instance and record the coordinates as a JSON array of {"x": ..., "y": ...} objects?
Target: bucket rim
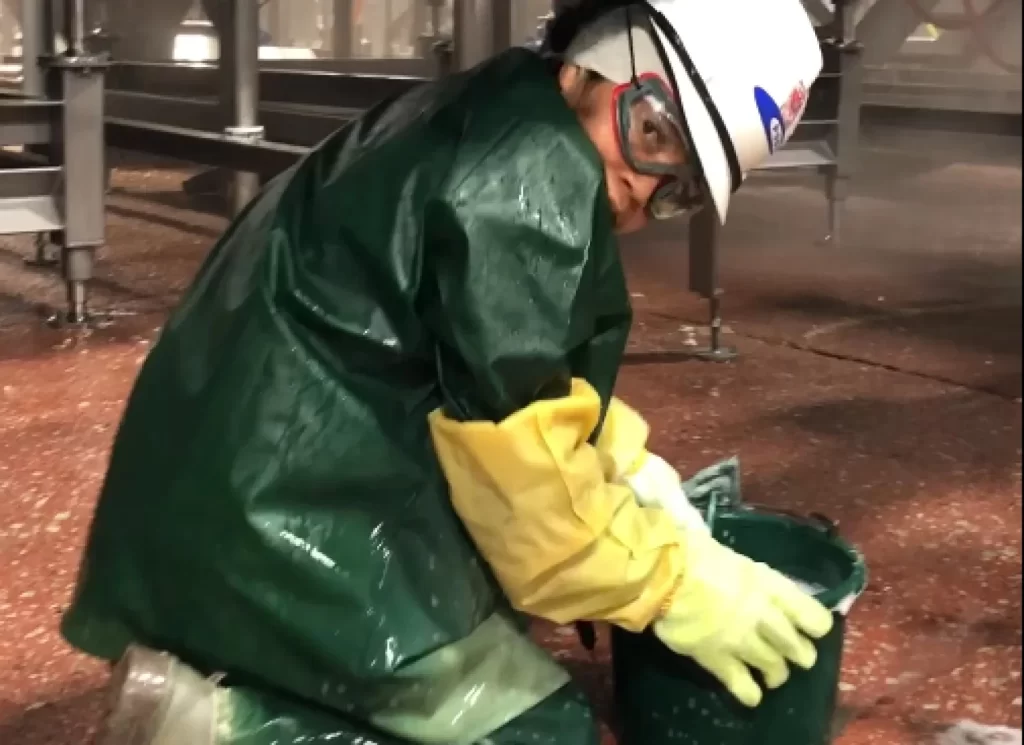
[{"x": 840, "y": 598}]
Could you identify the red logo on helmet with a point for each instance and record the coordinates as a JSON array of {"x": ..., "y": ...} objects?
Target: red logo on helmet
[{"x": 794, "y": 106}]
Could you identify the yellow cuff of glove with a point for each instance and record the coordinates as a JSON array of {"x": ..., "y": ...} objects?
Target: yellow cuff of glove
[
  {"x": 623, "y": 440},
  {"x": 563, "y": 542}
]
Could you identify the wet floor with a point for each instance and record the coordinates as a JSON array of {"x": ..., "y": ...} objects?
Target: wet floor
[{"x": 878, "y": 382}]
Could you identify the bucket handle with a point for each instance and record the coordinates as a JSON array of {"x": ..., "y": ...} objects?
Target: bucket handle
[{"x": 814, "y": 520}]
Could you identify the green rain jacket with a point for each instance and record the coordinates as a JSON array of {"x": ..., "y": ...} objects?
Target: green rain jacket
[{"x": 273, "y": 507}]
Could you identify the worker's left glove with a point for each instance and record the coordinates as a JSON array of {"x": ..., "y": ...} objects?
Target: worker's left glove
[
  {"x": 657, "y": 484},
  {"x": 732, "y": 615}
]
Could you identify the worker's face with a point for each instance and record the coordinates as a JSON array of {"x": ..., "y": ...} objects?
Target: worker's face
[{"x": 629, "y": 191}]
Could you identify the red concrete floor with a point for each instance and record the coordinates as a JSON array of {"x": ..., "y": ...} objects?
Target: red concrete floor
[{"x": 879, "y": 382}]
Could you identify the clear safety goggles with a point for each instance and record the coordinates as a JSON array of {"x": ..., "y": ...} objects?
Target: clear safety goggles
[{"x": 654, "y": 142}]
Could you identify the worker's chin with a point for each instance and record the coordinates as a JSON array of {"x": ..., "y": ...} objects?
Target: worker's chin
[{"x": 630, "y": 222}]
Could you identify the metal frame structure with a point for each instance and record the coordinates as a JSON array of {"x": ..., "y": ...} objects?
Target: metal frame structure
[
  {"x": 964, "y": 67},
  {"x": 175, "y": 109},
  {"x": 257, "y": 120},
  {"x": 57, "y": 188},
  {"x": 826, "y": 140}
]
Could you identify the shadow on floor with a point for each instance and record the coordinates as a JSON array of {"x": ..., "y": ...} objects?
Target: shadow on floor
[
  {"x": 128, "y": 213},
  {"x": 73, "y": 719}
]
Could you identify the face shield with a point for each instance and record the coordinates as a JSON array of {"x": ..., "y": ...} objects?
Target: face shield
[{"x": 653, "y": 139}]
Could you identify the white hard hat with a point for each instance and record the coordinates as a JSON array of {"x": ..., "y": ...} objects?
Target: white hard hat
[{"x": 741, "y": 68}]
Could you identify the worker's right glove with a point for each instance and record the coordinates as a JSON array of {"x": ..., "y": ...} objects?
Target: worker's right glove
[
  {"x": 657, "y": 484},
  {"x": 731, "y": 614}
]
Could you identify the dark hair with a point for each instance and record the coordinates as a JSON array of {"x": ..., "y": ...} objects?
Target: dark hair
[{"x": 568, "y": 22}]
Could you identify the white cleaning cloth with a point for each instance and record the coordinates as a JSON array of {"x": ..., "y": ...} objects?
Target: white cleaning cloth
[{"x": 972, "y": 733}]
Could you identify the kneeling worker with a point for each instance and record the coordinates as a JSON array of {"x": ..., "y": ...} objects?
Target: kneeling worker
[{"x": 380, "y": 424}]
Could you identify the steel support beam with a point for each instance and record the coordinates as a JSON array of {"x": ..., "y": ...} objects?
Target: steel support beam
[
  {"x": 845, "y": 138},
  {"x": 26, "y": 121},
  {"x": 471, "y": 33},
  {"x": 204, "y": 148},
  {"x": 482, "y": 29},
  {"x": 27, "y": 200},
  {"x": 74, "y": 27},
  {"x": 393, "y": 66},
  {"x": 77, "y": 80},
  {"x": 285, "y": 124},
  {"x": 323, "y": 88},
  {"x": 704, "y": 232},
  {"x": 36, "y": 43},
  {"x": 501, "y": 36},
  {"x": 885, "y": 28},
  {"x": 818, "y": 11},
  {"x": 342, "y": 32},
  {"x": 240, "y": 80}
]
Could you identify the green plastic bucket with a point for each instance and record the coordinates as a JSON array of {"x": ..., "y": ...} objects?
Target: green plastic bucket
[{"x": 666, "y": 699}]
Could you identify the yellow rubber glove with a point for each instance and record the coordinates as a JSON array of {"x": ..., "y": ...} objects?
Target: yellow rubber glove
[
  {"x": 731, "y": 614},
  {"x": 564, "y": 543}
]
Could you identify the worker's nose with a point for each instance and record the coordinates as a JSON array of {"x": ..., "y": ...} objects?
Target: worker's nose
[
  {"x": 641, "y": 187},
  {"x": 631, "y": 199}
]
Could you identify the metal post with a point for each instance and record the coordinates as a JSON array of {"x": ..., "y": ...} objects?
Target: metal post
[
  {"x": 501, "y": 25},
  {"x": 435, "y": 17},
  {"x": 342, "y": 31},
  {"x": 482, "y": 28},
  {"x": 845, "y": 139},
  {"x": 704, "y": 231},
  {"x": 80, "y": 150},
  {"x": 844, "y": 21},
  {"x": 240, "y": 80},
  {"x": 372, "y": 29},
  {"x": 35, "y": 43},
  {"x": 473, "y": 32},
  {"x": 386, "y": 28},
  {"x": 74, "y": 26},
  {"x": 417, "y": 25},
  {"x": 435, "y": 46}
]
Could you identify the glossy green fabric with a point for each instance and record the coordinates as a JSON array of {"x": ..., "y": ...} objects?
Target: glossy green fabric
[
  {"x": 256, "y": 717},
  {"x": 273, "y": 506}
]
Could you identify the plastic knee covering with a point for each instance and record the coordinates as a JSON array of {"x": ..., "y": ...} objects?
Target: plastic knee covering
[
  {"x": 564, "y": 718},
  {"x": 158, "y": 700}
]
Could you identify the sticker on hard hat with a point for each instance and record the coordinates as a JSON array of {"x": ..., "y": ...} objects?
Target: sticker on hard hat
[
  {"x": 793, "y": 109},
  {"x": 771, "y": 118}
]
